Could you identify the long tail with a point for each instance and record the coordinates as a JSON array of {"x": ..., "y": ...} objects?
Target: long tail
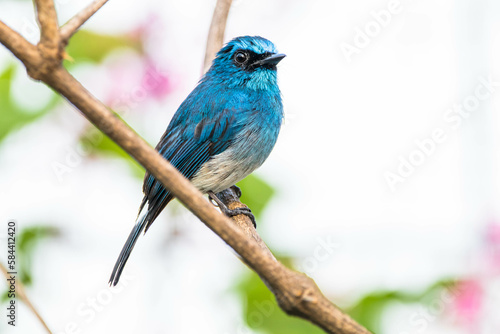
[{"x": 127, "y": 248}]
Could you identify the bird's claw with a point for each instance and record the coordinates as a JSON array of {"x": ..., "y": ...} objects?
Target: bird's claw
[
  {"x": 240, "y": 211},
  {"x": 232, "y": 212}
]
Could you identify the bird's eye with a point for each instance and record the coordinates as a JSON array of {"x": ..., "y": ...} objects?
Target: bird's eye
[{"x": 240, "y": 57}]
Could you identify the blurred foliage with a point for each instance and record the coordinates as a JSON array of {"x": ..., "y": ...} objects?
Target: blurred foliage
[
  {"x": 255, "y": 193},
  {"x": 107, "y": 147},
  {"x": 84, "y": 46},
  {"x": 89, "y": 46},
  {"x": 14, "y": 117},
  {"x": 26, "y": 242},
  {"x": 262, "y": 313},
  {"x": 369, "y": 309}
]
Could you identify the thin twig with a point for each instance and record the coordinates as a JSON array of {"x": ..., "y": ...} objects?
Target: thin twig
[
  {"x": 216, "y": 31},
  {"x": 72, "y": 26},
  {"x": 22, "y": 294}
]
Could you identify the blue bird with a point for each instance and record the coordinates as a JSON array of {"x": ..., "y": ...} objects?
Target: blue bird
[{"x": 222, "y": 132}]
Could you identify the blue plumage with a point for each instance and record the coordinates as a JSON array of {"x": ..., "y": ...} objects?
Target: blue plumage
[{"x": 223, "y": 130}]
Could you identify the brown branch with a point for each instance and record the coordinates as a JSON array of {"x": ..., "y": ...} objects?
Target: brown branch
[
  {"x": 49, "y": 29},
  {"x": 296, "y": 293},
  {"x": 232, "y": 201},
  {"x": 216, "y": 31},
  {"x": 15, "y": 43},
  {"x": 70, "y": 27},
  {"x": 22, "y": 294}
]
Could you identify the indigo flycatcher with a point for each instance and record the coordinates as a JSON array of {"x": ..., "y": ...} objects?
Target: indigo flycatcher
[{"x": 221, "y": 133}]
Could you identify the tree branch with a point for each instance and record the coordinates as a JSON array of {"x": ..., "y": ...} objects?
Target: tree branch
[
  {"x": 296, "y": 293},
  {"x": 232, "y": 201},
  {"x": 15, "y": 43},
  {"x": 22, "y": 294},
  {"x": 70, "y": 27},
  {"x": 216, "y": 31},
  {"x": 49, "y": 30}
]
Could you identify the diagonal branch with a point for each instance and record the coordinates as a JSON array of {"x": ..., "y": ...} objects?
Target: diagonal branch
[
  {"x": 216, "y": 31},
  {"x": 72, "y": 26},
  {"x": 296, "y": 293}
]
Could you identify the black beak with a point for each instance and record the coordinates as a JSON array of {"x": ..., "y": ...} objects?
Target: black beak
[{"x": 271, "y": 60}]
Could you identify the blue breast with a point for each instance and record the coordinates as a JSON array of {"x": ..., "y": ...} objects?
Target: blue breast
[{"x": 257, "y": 116}]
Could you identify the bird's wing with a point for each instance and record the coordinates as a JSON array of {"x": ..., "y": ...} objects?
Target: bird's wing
[{"x": 188, "y": 147}]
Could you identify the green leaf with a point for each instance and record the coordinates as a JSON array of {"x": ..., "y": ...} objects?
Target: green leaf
[
  {"x": 89, "y": 46},
  {"x": 107, "y": 147},
  {"x": 256, "y": 193},
  {"x": 27, "y": 241},
  {"x": 262, "y": 313},
  {"x": 5, "y": 296},
  {"x": 14, "y": 117},
  {"x": 368, "y": 311}
]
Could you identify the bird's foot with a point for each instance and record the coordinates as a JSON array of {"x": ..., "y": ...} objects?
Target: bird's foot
[
  {"x": 237, "y": 190},
  {"x": 232, "y": 212},
  {"x": 240, "y": 211}
]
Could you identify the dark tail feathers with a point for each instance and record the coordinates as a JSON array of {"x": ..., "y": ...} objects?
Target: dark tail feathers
[{"x": 127, "y": 248}]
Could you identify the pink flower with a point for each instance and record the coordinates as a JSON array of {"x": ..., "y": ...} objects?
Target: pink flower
[
  {"x": 136, "y": 80},
  {"x": 493, "y": 245},
  {"x": 493, "y": 233},
  {"x": 468, "y": 301},
  {"x": 155, "y": 81}
]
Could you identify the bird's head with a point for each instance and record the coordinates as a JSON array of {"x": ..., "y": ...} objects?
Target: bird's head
[{"x": 247, "y": 62}]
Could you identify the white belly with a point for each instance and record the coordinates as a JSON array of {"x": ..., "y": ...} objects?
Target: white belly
[{"x": 223, "y": 171}]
